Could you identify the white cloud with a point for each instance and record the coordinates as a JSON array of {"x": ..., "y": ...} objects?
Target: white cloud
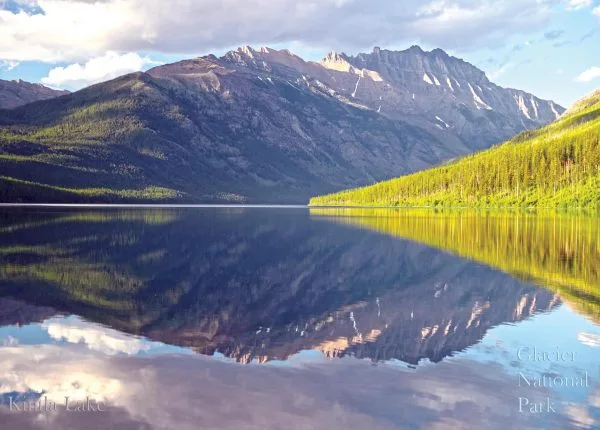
[
  {"x": 578, "y": 4},
  {"x": 580, "y": 416},
  {"x": 596, "y": 11},
  {"x": 589, "y": 75},
  {"x": 181, "y": 392},
  {"x": 66, "y": 373},
  {"x": 75, "y": 30},
  {"x": 589, "y": 339},
  {"x": 8, "y": 65},
  {"x": 96, "y": 337},
  {"x": 9, "y": 341},
  {"x": 110, "y": 65}
]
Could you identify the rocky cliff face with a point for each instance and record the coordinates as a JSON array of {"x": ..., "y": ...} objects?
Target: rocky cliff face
[
  {"x": 17, "y": 93},
  {"x": 443, "y": 94}
]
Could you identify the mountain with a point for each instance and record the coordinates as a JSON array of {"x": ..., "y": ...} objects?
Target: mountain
[
  {"x": 553, "y": 166},
  {"x": 257, "y": 126},
  {"x": 17, "y": 93},
  {"x": 433, "y": 90}
]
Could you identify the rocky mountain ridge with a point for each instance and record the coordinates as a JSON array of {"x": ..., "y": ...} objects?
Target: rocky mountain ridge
[
  {"x": 430, "y": 89},
  {"x": 18, "y": 92}
]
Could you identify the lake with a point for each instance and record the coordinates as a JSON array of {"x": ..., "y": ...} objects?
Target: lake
[{"x": 297, "y": 318}]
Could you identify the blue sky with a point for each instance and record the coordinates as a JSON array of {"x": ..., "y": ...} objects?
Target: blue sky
[{"x": 547, "y": 47}]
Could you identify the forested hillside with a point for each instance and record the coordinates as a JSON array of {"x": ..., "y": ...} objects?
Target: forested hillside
[{"x": 555, "y": 166}]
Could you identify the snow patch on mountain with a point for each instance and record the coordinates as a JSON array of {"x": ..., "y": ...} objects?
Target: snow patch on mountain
[
  {"x": 522, "y": 106},
  {"x": 535, "y": 107},
  {"x": 442, "y": 121},
  {"x": 554, "y": 111},
  {"x": 356, "y": 87},
  {"x": 376, "y": 77},
  {"x": 479, "y": 103}
]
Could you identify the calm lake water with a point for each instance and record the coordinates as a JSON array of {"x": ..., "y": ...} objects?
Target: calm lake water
[{"x": 272, "y": 318}]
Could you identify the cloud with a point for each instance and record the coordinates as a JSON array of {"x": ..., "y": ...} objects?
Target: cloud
[
  {"x": 495, "y": 74},
  {"x": 8, "y": 65},
  {"x": 110, "y": 65},
  {"x": 507, "y": 63},
  {"x": 589, "y": 75},
  {"x": 582, "y": 39},
  {"x": 9, "y": 341},
  {"x": 578, "y": 4},
  {"x": 590, "y": 33},
  {"x": 554, "y": 34},
  {"x": 75, "y": 30},
  {"x": 187, "y": 392},
  {"x": 589, "y": 339},
  {"x": 596, "y": 11},
  {"x": 95, "y": 337},
  {"x": 580, "y": 416},
  {"x": 66, "y": 373}
]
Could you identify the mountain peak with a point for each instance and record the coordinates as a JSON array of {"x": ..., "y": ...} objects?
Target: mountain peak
[
  {"x": 247, "y": 54},
  {"x": 334, "y": 56},
  {"x": 287, "y": 52},
  {"x": 337, "y": 61},
  {"x": 416, "y": 48},
  {"x": 440, "y": 53},
  {"x": 246, "y": 50},
  {"x": 18, "y": 92}
]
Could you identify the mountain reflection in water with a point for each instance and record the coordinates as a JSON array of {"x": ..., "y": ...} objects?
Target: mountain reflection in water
[
  {"x": 258, "y": 284},
  {"x": 148, "y": 309}
]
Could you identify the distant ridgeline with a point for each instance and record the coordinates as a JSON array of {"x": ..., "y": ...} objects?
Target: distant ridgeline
[
  {"x": 555, "y": 166},
  {"x": 556, "y": 251}
]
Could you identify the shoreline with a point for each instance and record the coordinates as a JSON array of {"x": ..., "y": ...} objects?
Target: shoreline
[
  {"x": 584, "y": 210},
  {"x": 146, "y": 205}
]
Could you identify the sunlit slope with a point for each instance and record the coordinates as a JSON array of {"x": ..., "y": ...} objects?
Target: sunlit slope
[
  {"x": 555, "y": 166},
  {"x": 560, "y": 252}
]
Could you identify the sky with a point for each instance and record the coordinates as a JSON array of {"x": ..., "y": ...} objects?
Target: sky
[{"x": 547, "y": 47}]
